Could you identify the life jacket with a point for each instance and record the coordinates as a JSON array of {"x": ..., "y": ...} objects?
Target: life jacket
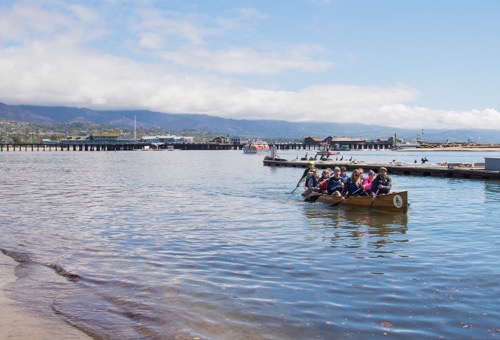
[
  {"x": 312, "y": 182},
  {"x": 352, "y": 187},
  {"x": 334, "y": 184},
  {"x": 367, "y": 183}
]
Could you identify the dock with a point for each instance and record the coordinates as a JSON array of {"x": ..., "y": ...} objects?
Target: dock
[{"x": 449, "y": 170}]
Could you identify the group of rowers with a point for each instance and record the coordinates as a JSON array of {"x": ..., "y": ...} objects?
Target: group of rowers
[{"x": 338, "y": 183}]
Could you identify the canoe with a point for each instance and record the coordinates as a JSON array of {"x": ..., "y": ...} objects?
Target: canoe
[{"x": 393, "y": 202}]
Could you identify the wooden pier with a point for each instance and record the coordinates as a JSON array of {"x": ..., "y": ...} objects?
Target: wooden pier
[
  {"x": 450, "y": 170},
  {"x": 117, "y": 146},
  {"x": 85, "y": 145}
]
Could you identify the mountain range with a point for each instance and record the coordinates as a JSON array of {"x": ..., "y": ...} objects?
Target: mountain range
[{"x": 270, "y": 129}]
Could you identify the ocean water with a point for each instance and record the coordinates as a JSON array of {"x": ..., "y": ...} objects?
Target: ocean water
[{"x": 213, "y": 245}]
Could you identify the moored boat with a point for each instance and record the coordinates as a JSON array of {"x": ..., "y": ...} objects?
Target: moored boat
[
  {"x": 393, "y": 202},
  {"x": 327, "y": 153},
  {"x": 255, "y": 146}
]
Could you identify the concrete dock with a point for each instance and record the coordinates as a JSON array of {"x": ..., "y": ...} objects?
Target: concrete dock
[{"x": 451, "y": 170}]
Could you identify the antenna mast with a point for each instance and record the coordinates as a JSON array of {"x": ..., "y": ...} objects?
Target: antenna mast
[{"x": 135, "y": 127}]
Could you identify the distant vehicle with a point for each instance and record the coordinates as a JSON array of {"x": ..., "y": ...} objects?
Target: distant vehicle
[
  {"x": 3, "y": 142},
  {"x": 49, "y": 142}
]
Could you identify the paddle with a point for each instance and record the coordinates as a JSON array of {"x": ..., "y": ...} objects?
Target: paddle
[
  {"x": 298, "y": 184},
  {"x": 373, "y": 199},
  {"x": 313, "y": 197},
  {"x": 344, "y": 198},
  {"x": 307, "y": 192}
]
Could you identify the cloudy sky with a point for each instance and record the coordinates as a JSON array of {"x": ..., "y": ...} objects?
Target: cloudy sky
[{"x": 402, "y": 63}]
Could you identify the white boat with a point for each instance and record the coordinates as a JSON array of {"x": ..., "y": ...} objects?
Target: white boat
[
  {"x": 409, "y": 145},
  {"x": 325, "y": 152},
  {"x": 255, "y": 146}
]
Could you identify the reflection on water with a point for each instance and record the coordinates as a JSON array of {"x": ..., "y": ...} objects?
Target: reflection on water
[
  {"x": 491, "y": 187},
  {"x": 374, "y": 233}
]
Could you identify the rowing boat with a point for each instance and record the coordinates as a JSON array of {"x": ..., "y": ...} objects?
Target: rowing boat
[{"x": 393, "y": 202}]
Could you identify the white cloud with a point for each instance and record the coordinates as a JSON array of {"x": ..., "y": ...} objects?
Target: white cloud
[
  {"x": 420, "y": 117},
  {"x": 51, "y": 74},
  {"x": 246, "y": 61},
  {"x": 44, "y": 60}
]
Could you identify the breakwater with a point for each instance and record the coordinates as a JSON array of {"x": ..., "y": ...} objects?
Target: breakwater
[{"x": 456, "y": 170}]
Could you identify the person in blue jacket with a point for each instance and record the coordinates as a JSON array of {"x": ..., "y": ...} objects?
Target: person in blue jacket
[
  {"x": 353, "y": 186},
  {"x": 307, "y": 173},
  {"x": 335, "y": 183},
  {"x": 382, "y": 183},
  {"x": 313, "y": 181}
]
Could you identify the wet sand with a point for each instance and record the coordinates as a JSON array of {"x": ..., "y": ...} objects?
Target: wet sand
[{"x": 17, "y": 323}]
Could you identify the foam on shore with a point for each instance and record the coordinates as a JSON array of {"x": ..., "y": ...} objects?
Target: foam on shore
[{"x": 17, "y": 323}]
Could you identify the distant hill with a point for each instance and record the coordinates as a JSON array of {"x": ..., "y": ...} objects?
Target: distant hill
[{"x": 231, "y": 127}]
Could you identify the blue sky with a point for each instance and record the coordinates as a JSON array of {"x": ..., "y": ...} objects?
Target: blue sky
[{"x": 402, "y": 63}]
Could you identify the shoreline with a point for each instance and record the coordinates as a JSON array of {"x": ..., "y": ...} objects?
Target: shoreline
[
  {"x": 18, "y": 323},
  {"x": 451, "y": 148}
]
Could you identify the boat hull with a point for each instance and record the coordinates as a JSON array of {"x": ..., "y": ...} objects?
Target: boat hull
[
  {"x": 393, "y": 202},
  {"x": 256, "y": 147},
  {"x": 327, "y": 153}
]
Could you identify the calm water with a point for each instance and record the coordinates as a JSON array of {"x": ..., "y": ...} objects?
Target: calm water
[{"x": 211, "y": 244}]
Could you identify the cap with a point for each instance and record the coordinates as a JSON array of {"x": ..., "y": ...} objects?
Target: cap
[
  {"x": 336, "y": 168},
  {"x": 311, "y": 162},
  {"x": 371, "y": 172},
  {"x": 382, "y": 168}
]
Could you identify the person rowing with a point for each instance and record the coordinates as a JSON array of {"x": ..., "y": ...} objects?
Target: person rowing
[
  {"x": 335, "y": 184},
  {"x": 323, "y": 181},
  {"x": 307, "y": 172},
  {"x": 353, "y": 184},
  {"x": 382, "y": 183},
  {"x": 313, "y": 181}
]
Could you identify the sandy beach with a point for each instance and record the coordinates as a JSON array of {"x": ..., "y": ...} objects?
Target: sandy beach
[
  {"x": 17, "y": 323},
  {"x": 454, "y": 148}
]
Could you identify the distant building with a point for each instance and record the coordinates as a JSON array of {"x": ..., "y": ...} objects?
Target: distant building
[
  {"x": 235, "y": 141},
  {"x": 349, "y": 143},
  {"x": 98, "y": 139},
  {"x": 168, "y": 139},
  {"x": 313, "y": 141},
  {"x": 336, "y": 143},
  {"x": 220, "y": 140}
]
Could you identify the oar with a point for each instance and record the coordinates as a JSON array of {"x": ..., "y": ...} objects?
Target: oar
[
  {"x": 344, "y": 198},
  {"x": 373, "y": 199},
  {"x": 295, "y": 188},
  {"x": 313, "y": 197},
  {"x": 298, "y": 184},
  {"x": 307, "y": 192}
]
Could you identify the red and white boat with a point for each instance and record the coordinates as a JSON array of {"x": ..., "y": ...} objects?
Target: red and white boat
[{"x": 255, "y": 146}]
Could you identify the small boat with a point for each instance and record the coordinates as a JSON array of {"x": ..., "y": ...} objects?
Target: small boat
[
  {"x": 255, "y": 146},
  {"x": 325, "y": 152},
  {"x": 394, "y": 202}
]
